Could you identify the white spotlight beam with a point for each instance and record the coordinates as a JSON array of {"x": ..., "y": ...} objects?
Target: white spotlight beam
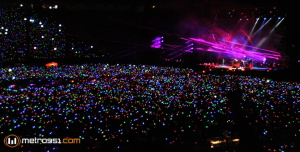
[
  {"x": 277, "y": 25},
  {"x": 253, "y": 27},
  {"x": 264, "y": 39},
  {"x": 261, "y": 27}
]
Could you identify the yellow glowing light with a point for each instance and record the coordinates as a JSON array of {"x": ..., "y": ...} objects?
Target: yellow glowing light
[
  {"x": 153, "y": 6},
  {"x": 216, "y": 142},
  {"x": 236, "y": 140}
]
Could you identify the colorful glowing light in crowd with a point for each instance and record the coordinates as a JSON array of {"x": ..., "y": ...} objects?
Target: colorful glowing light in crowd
[
  {"x": 46, "y": 39},
  {"x": 88, "y": 104}
]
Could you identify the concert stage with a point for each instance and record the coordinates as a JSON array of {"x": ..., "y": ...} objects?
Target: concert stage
[{"x": 231, "y": 68}]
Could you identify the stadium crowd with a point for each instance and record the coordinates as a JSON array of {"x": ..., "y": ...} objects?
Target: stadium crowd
[
  {"x": 115, "y": 104},
  {"x": 25, "y": 35}
]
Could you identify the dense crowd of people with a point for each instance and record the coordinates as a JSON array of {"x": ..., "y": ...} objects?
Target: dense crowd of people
[
  {"x": 26, "y": 35},
  {"x": 112, "y": 106},
  {"x": 115, "y": 105},
  {"x": 272, "y": 110},
  {"x": 12, "y": 35},
  {"x": 47, "y": 38}
]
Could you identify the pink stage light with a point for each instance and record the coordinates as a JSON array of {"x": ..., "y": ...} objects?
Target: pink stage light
[{"x": 228, "y": 50}]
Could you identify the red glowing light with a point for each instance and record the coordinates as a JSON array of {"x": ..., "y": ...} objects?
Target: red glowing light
[{"x": 51, "y": 64}]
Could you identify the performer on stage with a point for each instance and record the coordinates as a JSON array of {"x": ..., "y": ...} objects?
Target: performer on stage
[
  {"x": 223, "y": 61},
  {"x": 243, "y": 63}
]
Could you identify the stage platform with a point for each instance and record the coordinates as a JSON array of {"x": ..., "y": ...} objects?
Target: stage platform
[{"x": 231, "y": 68}]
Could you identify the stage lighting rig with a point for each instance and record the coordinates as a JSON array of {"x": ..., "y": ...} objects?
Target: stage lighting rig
[
  {"x": 157, "y": 42},
  {"x": 190, "y": 47}
]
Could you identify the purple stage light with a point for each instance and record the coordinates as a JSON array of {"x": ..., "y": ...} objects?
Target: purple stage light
[
  {"x": 252, "y": 47},
  {"x": 157, "y": 42},
  {"x": 236, "y": 51}
]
